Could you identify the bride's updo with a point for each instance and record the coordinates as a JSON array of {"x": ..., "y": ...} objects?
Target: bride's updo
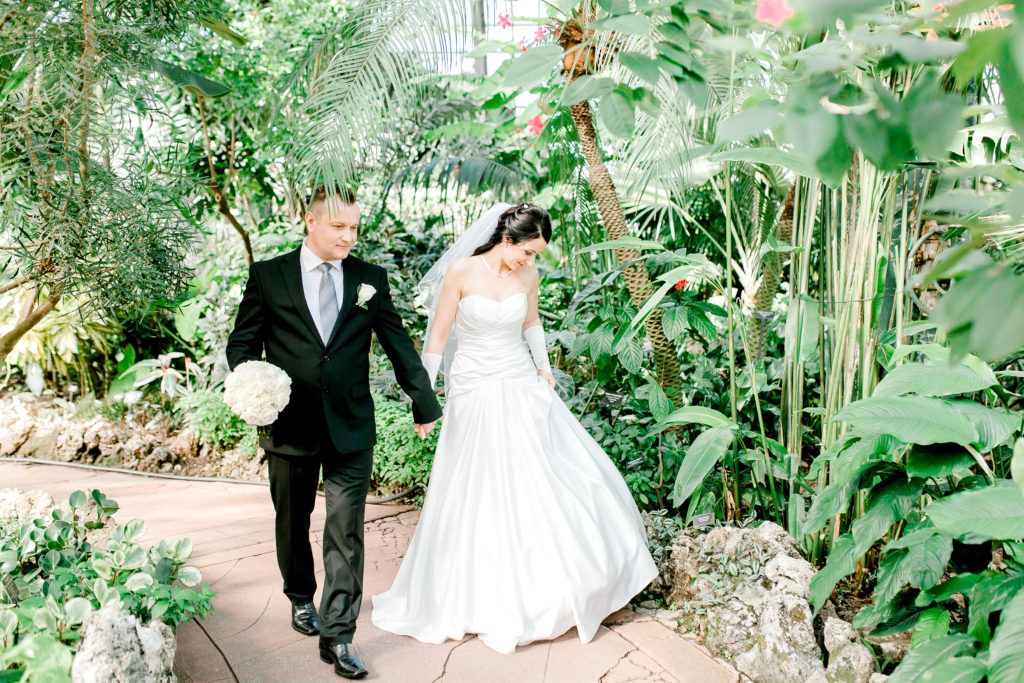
[{"x": 520, "y": 223}]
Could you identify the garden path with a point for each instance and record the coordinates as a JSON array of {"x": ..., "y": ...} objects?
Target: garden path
[{"x": 248, "y": 637}]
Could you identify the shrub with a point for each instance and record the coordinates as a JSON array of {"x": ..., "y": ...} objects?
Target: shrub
[
  {"x": 400, "y": 459},
  {"x": 214, "y": 422},
  {"x": 60, "y": 577}
]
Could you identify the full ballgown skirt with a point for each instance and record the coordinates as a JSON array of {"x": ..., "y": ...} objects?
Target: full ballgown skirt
[{"x": 527, "y": 527}]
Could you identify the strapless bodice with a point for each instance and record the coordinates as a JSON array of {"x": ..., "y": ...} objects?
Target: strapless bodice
[{"x": 490, "y": 342}]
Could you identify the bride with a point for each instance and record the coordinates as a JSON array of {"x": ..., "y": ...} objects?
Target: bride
[{"x": 527, "y": 527}]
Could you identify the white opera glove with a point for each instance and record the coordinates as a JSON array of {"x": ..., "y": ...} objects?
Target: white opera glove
[
  {"x": 431, "y": 363},
  {"x": 538, "y": 347}
]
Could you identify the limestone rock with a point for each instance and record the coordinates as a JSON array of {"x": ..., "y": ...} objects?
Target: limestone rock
[
  {"x": 41, "y": 443},
  {"x": 878, "y": 678},
  {"x": 838, "y": 633},
  {"x": 14, "y": 437},
  {"x": 184, "y": 444},
  {"x": 754, "y": 607},
  {"x": 21, "y": 506},
  {"x": 70, "y": 441},
  {"x": 116, "y": 648},
  {"x": 851, "y": 663}
]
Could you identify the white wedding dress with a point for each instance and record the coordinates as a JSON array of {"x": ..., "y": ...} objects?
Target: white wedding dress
[{"x": 527, "y": 527}]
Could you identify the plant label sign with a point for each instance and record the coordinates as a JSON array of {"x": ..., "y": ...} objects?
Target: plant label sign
[
  {"x": 612, "y": 399},
  {"x": 634, "y": 463},
  {"x": 9, "y": 589},
  {"x": 703, "y": 519}
]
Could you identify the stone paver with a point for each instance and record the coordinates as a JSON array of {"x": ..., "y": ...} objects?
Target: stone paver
[{"x": 248, "y": 636}]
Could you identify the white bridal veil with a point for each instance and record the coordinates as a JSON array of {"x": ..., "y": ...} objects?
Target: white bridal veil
[{"x": 429, "y": 288}]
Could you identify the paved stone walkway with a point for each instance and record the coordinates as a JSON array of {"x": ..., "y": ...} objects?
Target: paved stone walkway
[{"x": 248, "y": 636}]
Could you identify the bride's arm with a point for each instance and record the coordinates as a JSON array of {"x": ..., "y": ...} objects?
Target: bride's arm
[
  {"x": 533, "y": 331},
  {"x": 447, "y": 304}
]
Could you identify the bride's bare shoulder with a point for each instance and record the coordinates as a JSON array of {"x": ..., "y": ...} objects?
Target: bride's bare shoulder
[{"x": 461, "y": 266}]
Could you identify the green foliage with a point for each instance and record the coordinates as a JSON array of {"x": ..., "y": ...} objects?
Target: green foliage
[
  {"x": 214, "y": 422},
  {"x": 400, "y": 458},
  {"x": 61, "y": 576}
]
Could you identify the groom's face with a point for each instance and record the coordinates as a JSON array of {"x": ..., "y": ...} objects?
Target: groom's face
[{"x": 333, "y": 228}]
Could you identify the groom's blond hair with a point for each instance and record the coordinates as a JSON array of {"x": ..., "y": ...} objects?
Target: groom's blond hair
[{"x": 346, "y": 195}]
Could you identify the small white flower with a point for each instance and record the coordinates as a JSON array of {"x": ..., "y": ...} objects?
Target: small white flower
[
  {"x": 366, "y": 293},
  {"x": 132, "y": 397},
  {"x": 257, "y": 392}
]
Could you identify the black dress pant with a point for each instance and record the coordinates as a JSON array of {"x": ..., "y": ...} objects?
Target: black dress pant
[{"x": 293, "y": 483}]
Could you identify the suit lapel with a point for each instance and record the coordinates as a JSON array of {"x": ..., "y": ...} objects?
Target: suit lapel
[
  {"x": 291, "y": 271},
  {"x": 350, "y": 281}
]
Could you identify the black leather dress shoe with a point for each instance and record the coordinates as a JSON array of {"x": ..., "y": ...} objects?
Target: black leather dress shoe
[
  {"x": 346, "y": 662},
  {"x": 304, "y": 619}
]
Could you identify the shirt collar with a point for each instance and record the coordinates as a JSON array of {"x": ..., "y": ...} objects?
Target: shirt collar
[{"x": 311, "y": 261}]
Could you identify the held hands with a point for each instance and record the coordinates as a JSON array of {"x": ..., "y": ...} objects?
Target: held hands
[
  {"x": 546, "y": 376},
  {"x": 423, "y": 429}
]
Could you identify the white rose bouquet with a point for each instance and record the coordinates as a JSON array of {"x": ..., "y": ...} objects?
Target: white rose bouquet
[{"x": 257, "y": 392}]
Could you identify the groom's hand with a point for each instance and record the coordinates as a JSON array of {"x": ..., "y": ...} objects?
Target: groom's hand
[{"x": 424, "y": 429}]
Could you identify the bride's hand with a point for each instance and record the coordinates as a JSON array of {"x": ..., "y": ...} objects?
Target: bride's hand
[{"x": 547, "y": 378}]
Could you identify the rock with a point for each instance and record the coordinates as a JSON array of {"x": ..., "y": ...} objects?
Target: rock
[
  {"x": 116, "y": 648},
  {"x": 184, "y": 444},
  {"x": 70, "y": 442},
  {"x": 139, "y": 445},
  {"x": 14, "y": 437},
  {"x": 21, "y": 506},
  {"x": 745, "y": 591},
  {"x": 838, "y": 633},
  {"x": 41, "y": 443},
  {"x": 850, "y": 663},
  {"x": 892, "y": 648},
  {"x": 878, "y": 678}
]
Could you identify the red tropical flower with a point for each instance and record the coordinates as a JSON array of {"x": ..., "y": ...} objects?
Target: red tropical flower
[
  {"x": 504, "y": 21},
  {"x": 681, "y": 284},
  {"x": 535, "y": 125},
  {"x": 774, "y": 12},
  {"x": 539, "y": 35}
]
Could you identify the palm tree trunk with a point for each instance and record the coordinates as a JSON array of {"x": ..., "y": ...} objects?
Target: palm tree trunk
[{"x": 638, "y": 280}]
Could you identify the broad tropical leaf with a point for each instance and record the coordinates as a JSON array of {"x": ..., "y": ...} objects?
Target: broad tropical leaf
[
  {"x": 956, "y": 670},
  {"x": 1006, "y": 653},
  {"x": 925, "y": 657},
  {"x": 932, "y": 379},
  {"x": 995, "y": 512},
  {"x": 994, "y": 425},
  {"x": 695, "y": 415},
  {"x": 702, "y": 455},
  {"x": 934, "y": 623},
  {"x": 992, "y": 592},
  {"x": 911, "y": 419}
]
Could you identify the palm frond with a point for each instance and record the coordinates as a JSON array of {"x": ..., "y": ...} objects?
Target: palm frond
[{"x": 366, "y": 76}]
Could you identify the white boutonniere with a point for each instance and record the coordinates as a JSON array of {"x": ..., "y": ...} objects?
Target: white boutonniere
[{"x": 364, "y": 294}]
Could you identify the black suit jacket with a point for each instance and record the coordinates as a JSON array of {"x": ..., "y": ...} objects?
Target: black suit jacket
[{"x": 330, "y": 394}]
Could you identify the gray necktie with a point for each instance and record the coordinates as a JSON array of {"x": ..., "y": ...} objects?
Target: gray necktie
[{"x": 328, "y": 301}]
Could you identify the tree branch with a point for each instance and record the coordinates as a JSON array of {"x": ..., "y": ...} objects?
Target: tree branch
[{"x": 29, "y": 321}]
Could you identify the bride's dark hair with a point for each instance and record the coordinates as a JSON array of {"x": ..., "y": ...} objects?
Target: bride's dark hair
[{"x": 520, "y": 223}]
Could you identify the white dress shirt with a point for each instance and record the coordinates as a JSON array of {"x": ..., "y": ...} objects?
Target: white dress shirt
[{"x": 311, "y": 283}]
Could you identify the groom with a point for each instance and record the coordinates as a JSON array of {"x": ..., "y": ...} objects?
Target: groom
[{"x": 312, "y": 311}]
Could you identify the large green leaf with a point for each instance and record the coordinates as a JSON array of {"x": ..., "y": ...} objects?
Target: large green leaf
[
  {"x": 695, "y": 415},
  {"x": 1006, "y": 653},
  {"x": 990, "y": 593},
  {"x": 937, "y": 460},
  {"x": 911, "y": 419},
  {"x": 644, "y": 67},
  {"x": 934, "y": 623},
  {"x": 993, "y": 330},
  {"x": 955, "y": 670},
  {"x": 918, "y": 558},
  {"x": 586, "y": 88},
  {"x": 702, "y": 455},
  {"x": 995, "y": 512},
  {"x": 919, "y": 661},
  {"x": 1017, "y": 464},
  {"x": 636, "y": 24},
  {"x": 188, "y": 81},
  {"x": 531, "y": 67},
  {"x": 932, "y": 379},
  {"x": 994, "y": 425},
  {"x": 618, "y": 114},
  {"x": 802, "y": 322}
]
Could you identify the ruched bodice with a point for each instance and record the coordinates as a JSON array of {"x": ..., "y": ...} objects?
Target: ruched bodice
[{"x": 490, "y": 343}]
